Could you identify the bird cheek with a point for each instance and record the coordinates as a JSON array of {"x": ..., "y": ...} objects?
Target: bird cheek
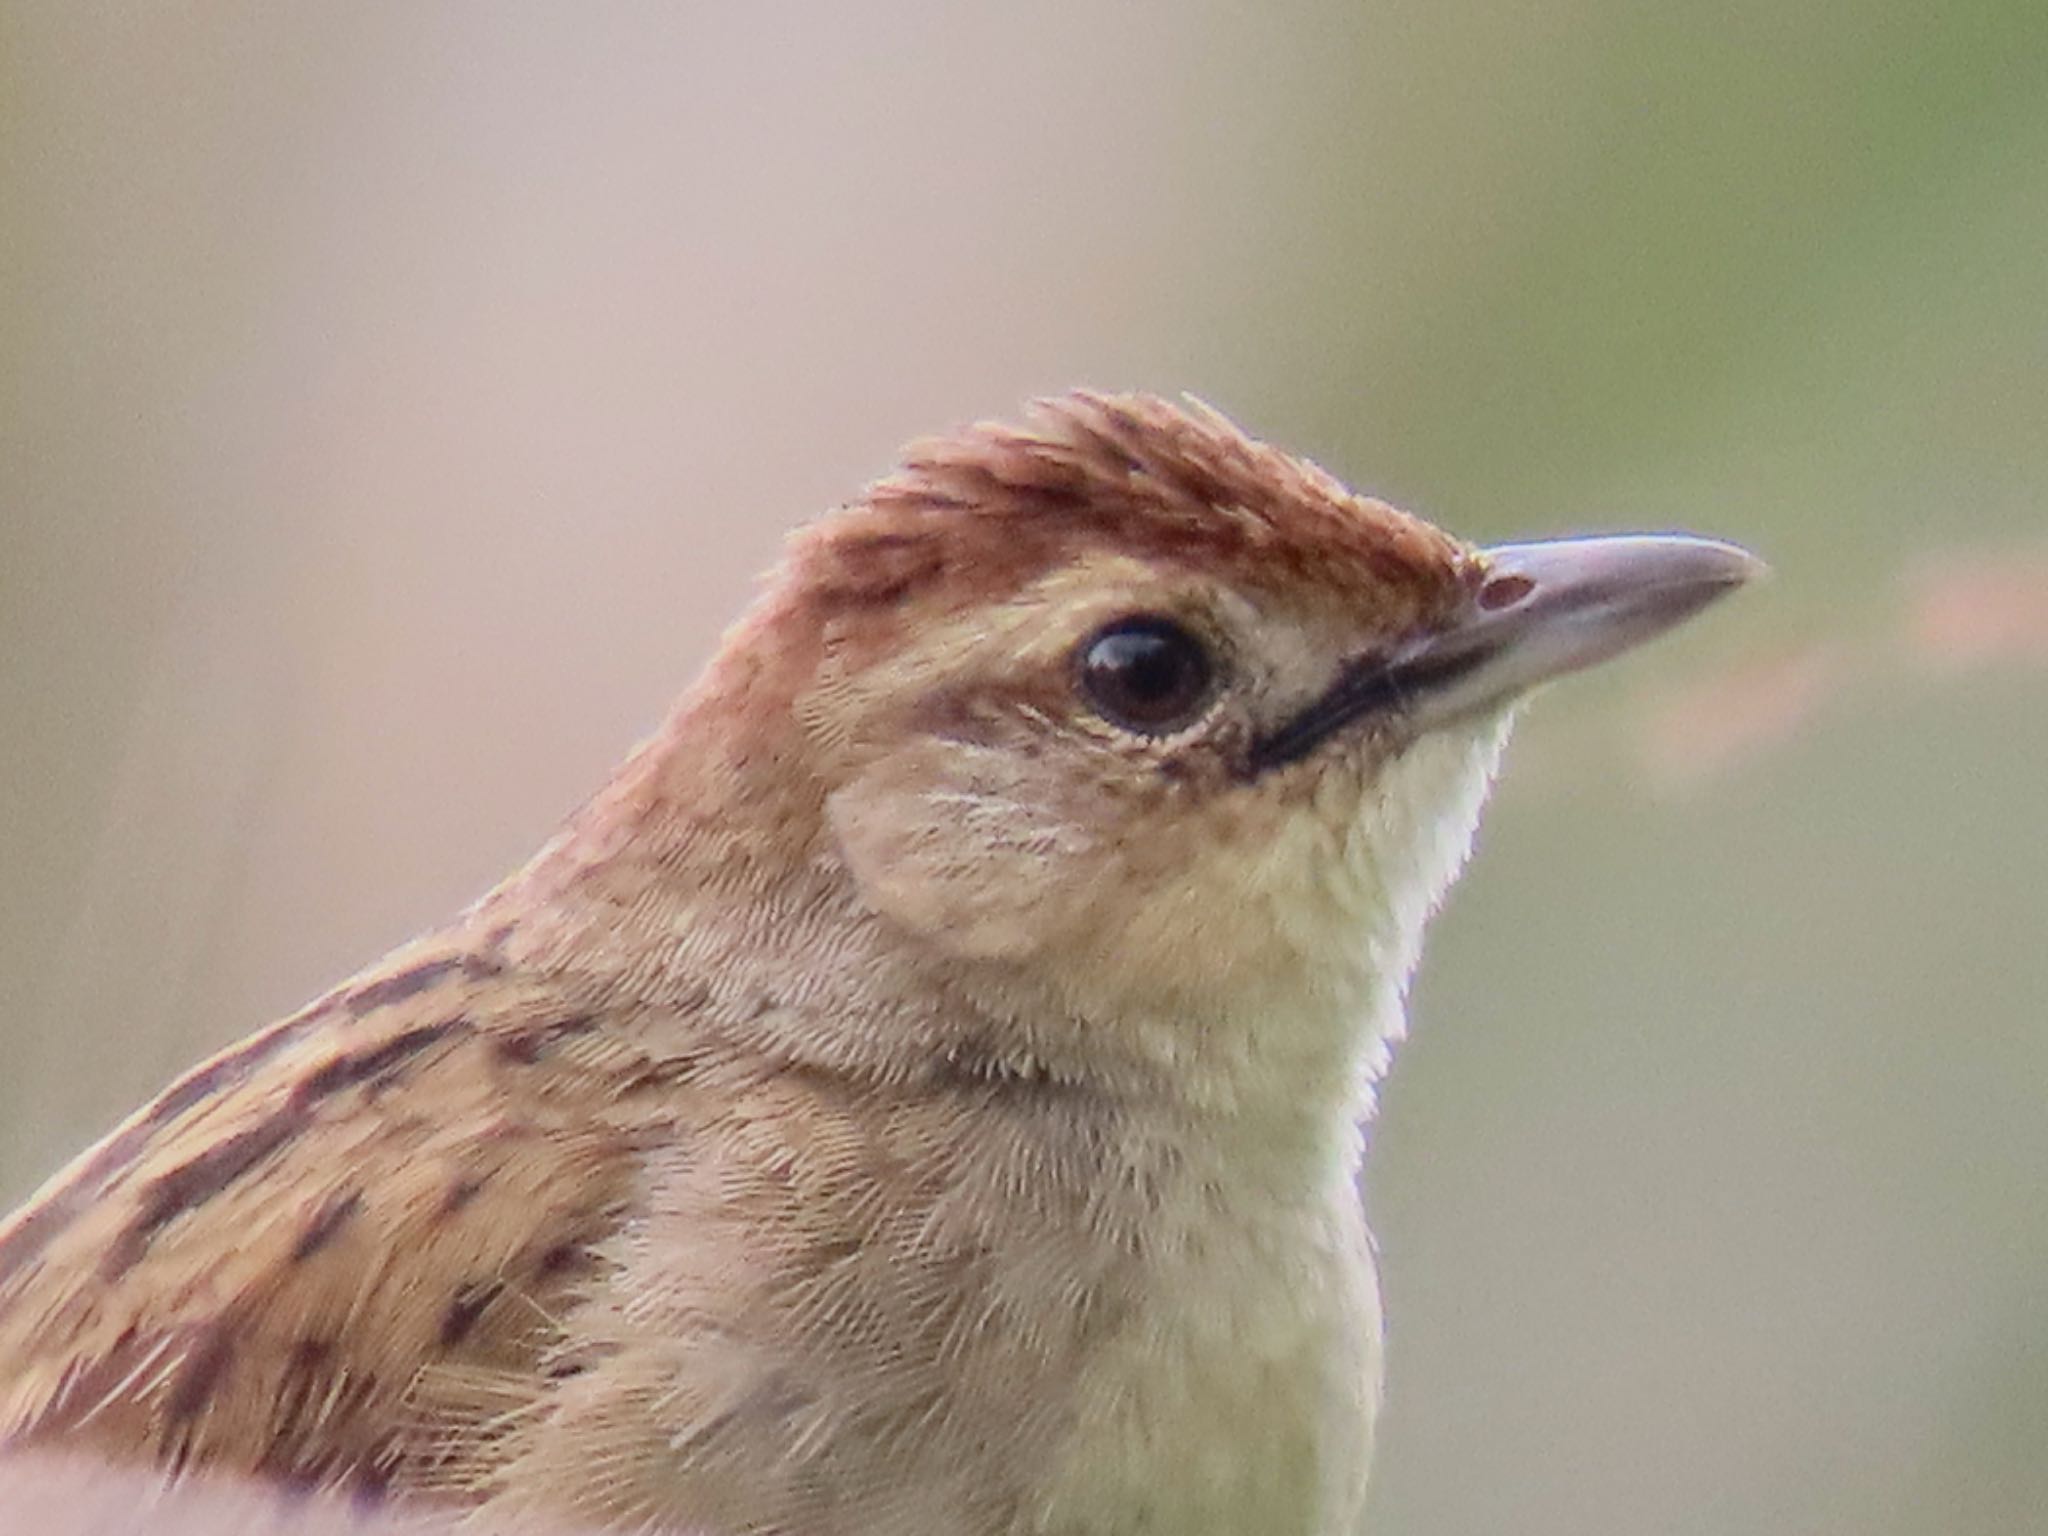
[{"x": 965, "y": 848}]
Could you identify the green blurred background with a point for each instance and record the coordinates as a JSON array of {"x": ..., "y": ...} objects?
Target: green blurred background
[{"x": 395, "y": 400}]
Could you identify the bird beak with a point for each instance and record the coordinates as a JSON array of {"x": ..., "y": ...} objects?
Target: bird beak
[
  {"x": 1536, "y": 612},
  {"x": 1543, "y": 610}
]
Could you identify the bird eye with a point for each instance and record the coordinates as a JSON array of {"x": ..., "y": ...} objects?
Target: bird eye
[{"x": 1147, "y": 675}]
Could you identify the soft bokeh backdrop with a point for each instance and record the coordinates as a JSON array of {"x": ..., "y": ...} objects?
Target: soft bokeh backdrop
[{"x": 395, "y": 400}]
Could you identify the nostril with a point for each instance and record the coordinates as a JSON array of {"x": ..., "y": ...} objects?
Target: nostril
[{"x": 1504, "y": 591}]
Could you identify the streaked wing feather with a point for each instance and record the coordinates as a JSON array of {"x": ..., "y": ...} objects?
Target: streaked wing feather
[{"x": 339, "y": 1251}]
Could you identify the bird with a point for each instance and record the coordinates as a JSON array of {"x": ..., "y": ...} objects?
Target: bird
[
  {"x": 921, "y": 1093},
  {"x": 56, "y": 1494}
]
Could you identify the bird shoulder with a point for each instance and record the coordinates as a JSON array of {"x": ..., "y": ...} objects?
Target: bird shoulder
[{"x": 337, "y": 1252}]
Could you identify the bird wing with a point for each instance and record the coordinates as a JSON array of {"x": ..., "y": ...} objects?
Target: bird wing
[{"x": 338, "y": 1252}]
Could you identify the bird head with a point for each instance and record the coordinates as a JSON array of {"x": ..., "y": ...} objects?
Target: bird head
[{"x": 1121, "y": 709}]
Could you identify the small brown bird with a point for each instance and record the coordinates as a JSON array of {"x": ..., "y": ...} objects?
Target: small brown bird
[{"x": 920, "y": 1094}]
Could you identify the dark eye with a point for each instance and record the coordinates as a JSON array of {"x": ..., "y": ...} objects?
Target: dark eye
[{"x": 1147, "y": 675}]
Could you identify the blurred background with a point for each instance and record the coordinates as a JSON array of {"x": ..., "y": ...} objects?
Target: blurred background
[{"x": 395, "y": 400}]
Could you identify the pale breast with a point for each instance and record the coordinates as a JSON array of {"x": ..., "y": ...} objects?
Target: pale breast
[
  {"x": 879, "y": 1324},
  {"x": 1242, "y": 1399}
]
